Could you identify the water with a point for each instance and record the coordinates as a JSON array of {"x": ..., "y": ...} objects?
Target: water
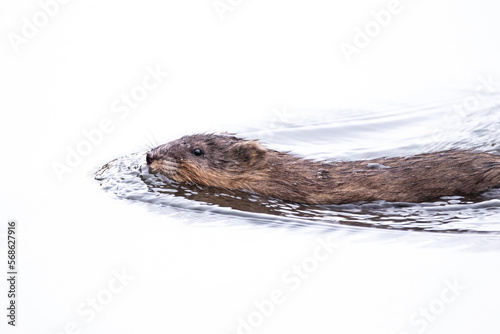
[{"x": 344, "y": 135}]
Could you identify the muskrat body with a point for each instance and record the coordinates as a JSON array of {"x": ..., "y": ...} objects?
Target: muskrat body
[{"x": 229, "y": 162}]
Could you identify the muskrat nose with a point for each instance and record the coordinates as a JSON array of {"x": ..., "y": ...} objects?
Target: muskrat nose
[{"x": 149, "y": 159}]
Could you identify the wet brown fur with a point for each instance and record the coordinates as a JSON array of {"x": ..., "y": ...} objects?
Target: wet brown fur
[{"x": 233, "y": 163}]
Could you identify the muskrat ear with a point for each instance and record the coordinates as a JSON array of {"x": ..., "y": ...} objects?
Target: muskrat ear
[{"x": 249, "y": 151}]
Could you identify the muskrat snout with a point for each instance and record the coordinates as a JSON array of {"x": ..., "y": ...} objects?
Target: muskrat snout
[{"x": 149, "y": 158}]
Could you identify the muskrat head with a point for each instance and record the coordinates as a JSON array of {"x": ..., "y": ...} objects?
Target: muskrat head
[{"x": 210, "y": 160}]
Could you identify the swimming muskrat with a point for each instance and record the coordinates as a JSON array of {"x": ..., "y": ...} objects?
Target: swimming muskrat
[{"x": 229, "y": 162}]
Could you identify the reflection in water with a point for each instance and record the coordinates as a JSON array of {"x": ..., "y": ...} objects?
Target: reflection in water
[{"x": 344, "y": 135}]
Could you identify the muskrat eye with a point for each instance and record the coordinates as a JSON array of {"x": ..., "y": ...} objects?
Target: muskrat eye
[{"x": 197, "y": 152}]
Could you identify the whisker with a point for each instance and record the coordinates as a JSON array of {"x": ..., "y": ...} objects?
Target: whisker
[
  {"x": 151, "y": 142},
  {"x": 149, "y": 145}
]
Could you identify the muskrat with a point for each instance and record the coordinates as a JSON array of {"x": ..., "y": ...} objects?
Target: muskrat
[{"x": 228, "y": 162}]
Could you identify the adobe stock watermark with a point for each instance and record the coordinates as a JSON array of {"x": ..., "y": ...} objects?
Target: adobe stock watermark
[
  {"x": 121, "y": 107},
  {"x": 364, "y": 36},
  {"x": 486, "y": 88},
  {"x": 292, "y": 278},
  {"x": 97, "y": 303},
  {"x": 279, "y": 119},
  {"x": 420, "y": 320},
  {"x": 31, "y": 26},
  {"x": 223, "y": 7}
]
